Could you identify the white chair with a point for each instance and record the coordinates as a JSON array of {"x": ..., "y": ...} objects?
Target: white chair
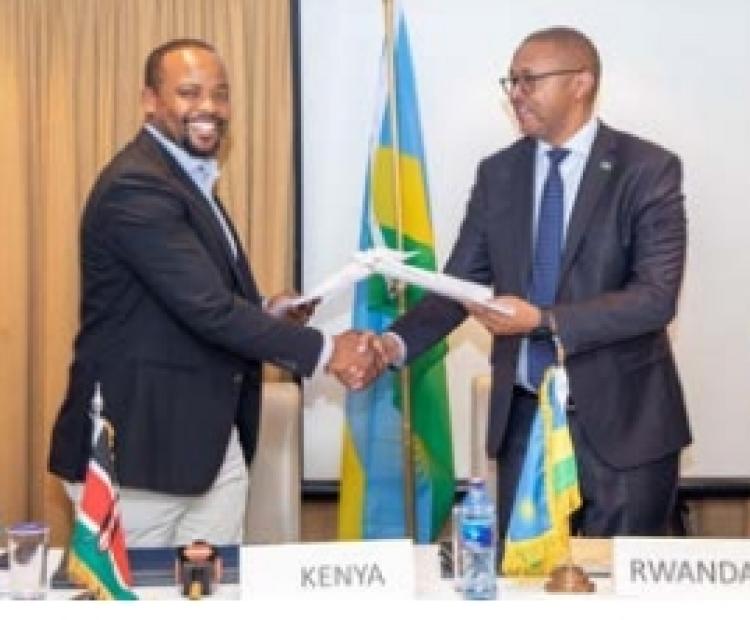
[
  {"x": 274, "y": 497},
  {"x": 481, "y": 465}
]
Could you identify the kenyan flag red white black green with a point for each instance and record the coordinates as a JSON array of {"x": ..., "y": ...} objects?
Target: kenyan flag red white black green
[{"x": 97, "y": 558}]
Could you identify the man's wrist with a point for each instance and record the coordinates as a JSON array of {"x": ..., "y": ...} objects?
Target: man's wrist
[
  {"x": 396, "y": 350},
  {"x": 547, "y": 326},
  {"x": 325, "y": 355}
]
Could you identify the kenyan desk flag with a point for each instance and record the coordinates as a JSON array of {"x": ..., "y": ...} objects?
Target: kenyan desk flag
[{"x": 98, "y": 559}]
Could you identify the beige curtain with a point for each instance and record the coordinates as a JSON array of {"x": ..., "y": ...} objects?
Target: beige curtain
[{"x": 70, "y": 80}]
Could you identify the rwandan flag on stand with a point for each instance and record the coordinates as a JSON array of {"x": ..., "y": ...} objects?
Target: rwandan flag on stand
[
  {"x": 97, "y": 558},
  {"x": 538, "y": 537},
  {"x": 372, "y": 481}
]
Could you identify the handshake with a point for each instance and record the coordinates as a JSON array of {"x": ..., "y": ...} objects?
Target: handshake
[{"x": 359, "y": 357}]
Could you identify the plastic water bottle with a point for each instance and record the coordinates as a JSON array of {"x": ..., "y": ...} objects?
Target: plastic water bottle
[{"x": 477, "y": 542}]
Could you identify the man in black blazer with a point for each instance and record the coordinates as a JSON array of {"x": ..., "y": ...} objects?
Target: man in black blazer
[
  {"x": 617, "y": 274},
  {"x": 172, "y": 324}
]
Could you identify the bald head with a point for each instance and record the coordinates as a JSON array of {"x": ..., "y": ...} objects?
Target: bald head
[{"x": 574, "y": 47}]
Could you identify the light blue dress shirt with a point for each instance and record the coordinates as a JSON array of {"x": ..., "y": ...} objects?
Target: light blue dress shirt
[
  {"x": 571, "y": 171},
  {"x": 203, "y": 171}
]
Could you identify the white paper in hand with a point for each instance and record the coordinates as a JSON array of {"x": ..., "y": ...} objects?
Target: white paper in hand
[
  {"x": 338, "y": 281},
  {"x": 390, "y": 263},
  {"x": 440, "y": 283},
  {"x": 361, "y": 267}
]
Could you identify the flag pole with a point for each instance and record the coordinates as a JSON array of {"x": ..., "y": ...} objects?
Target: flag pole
[{"x": 406, "y": 437}]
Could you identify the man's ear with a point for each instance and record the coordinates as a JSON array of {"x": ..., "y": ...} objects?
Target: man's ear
[
  {"x": 584, "y": 85},
  {"x": 148, "y": 100}
]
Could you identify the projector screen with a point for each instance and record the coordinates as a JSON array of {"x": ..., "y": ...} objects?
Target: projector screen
[{"x": 674, "y": 72}]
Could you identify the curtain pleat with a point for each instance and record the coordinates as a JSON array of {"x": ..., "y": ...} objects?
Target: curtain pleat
[{"x": 71, "y": 75}]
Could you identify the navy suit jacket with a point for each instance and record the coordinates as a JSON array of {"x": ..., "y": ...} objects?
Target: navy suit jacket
[
  {"x": 172, "y": 326},
  {"x": 621, "y": 273}
]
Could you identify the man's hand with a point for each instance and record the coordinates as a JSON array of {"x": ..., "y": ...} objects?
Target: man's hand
[
  {"x": 354, "y": 361},
  {"x": 280, "y": 307},
  {"x": 388, "y": 350},
  {"x": 525, "y": 316}
]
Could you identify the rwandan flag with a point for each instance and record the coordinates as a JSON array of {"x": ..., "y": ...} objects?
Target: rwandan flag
[
  {"x": 372, "y": 496},
  {"x": 538, "y": 537},
  {"x": 97, "y": 558}
]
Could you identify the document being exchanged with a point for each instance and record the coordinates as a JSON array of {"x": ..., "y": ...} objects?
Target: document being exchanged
[{"x": 390, "y": 263}]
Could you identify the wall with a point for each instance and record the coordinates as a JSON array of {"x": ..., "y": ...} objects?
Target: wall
[{"x": 674, "y": 72}]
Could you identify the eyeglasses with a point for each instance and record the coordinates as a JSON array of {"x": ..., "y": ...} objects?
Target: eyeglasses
[{"x": 527, "y": 81}]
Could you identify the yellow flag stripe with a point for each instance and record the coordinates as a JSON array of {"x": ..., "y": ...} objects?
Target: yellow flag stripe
[
  {"x": 351, "y": 498},
  {"x": 560, "y": 445},
  {"x": 536, "y": 556},
  {"x": 416, "y": 217}
]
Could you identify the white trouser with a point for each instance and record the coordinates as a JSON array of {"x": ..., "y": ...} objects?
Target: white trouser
[{"x": 159, "y": 520}]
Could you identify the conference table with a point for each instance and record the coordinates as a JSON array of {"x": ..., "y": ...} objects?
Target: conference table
[{"x": 593, "y": 555}]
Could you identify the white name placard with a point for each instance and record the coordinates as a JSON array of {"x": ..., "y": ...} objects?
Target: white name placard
[
  {"x": 681, "y": 566},
  {"x": 374, "y": 569}
]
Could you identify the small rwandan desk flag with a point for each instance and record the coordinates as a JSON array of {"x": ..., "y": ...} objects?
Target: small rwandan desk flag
[
  {"x": 372, "y": 501},
  {"x": 97, "y": 558},
  {"x": 538, "y": 537}
]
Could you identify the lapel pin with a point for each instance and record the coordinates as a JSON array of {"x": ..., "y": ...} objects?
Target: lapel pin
[{"x": 605, "y": 165}]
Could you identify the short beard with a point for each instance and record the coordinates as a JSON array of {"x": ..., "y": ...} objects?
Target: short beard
[
  {"x": 185, "y": 143},
  {"x": 188, "y": 147}
]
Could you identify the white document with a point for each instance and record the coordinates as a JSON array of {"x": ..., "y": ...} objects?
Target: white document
[
  {"x": 338, "y": 281},
  {"x": 390, "y": 263},
  {"x": 442, "y": 284},
  {"x": 361, "y": 267}
]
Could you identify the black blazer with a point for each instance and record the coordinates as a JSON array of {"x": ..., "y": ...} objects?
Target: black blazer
[
  {"x": 622, "y": 269},
  {"x": 172, "y": 327}
]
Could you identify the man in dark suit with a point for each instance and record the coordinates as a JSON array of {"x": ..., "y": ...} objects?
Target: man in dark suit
[
  {"x": 172, "y": 324},
  {"x": 581, "y": 231}
]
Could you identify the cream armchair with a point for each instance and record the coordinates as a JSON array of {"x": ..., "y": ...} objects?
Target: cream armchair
[{"x": 274, "y": 497}]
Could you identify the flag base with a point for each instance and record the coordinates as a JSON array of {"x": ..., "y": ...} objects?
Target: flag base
[{"x": 569, "y": 578}]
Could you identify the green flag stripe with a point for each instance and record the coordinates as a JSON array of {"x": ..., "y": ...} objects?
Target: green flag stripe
[
  {"x": 425, "y": 257},
  {"x": 428, "y": 386},
  {"x": 85, "y": 546},
  {"x": 431, "y": 422},
  {"x": 378, "y": 295},
  {"x": 565, "y": 474}
]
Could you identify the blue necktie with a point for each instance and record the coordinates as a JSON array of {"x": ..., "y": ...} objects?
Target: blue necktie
[{"x": 547, "y": 258}]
